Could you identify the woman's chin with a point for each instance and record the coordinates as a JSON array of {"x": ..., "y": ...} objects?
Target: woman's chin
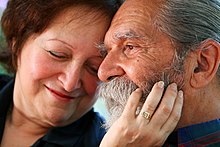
[{"x": 56, "y": 119}]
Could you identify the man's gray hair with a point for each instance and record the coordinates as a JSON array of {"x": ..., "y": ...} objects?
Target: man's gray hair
[{"x": 190, "y": 22}]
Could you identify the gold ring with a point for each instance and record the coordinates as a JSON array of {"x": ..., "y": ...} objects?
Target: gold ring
[{"x": 146, "y": 115}]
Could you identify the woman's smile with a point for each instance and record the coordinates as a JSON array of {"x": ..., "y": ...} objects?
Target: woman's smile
[{"x": 67, "y": 96}]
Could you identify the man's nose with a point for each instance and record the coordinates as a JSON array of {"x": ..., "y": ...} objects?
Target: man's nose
[
  {"x": 110, "y": 68},
  {"x": 71, "y": 78}
]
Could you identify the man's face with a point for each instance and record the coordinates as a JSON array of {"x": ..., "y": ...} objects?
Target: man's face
[{"x": 138, "y": 55}]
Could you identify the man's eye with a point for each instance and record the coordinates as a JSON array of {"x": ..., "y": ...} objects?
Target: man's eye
[
  {"x": 131, "y": 47},
  {"x": 56, "y": 54},
  {"x": 131, "y": 50}
]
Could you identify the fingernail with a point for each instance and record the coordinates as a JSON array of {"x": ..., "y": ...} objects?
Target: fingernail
[
  {"x": 138, "y": 90},
  {"x": 160, "y": 84},
  {"x": 173, "y": 86},
  {"x": 180, "y": 94}
]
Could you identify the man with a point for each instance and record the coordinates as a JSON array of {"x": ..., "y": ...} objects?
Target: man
[{"x": 174, "y": 41}]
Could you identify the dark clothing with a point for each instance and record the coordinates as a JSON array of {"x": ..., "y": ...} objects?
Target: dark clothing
[
  {"x": 4, "y": 79},
  {"x": 85, "y": 132}
]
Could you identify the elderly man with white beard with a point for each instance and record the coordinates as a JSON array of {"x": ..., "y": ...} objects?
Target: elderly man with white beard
[{"x": 173, "y": 41}]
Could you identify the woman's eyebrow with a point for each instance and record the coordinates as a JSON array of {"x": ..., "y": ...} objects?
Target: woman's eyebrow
[{"x": 61, "y": 41}]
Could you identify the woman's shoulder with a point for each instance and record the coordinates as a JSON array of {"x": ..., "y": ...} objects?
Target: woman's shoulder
[
  {"x": 95, "y": 130},
  {"x": 4, "y": 79}
]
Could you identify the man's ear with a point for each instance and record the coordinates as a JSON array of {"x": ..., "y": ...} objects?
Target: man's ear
[{"x": 207, "y": 58}]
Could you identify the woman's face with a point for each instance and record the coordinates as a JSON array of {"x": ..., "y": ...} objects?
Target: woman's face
[{"x": 57, "y": 70}]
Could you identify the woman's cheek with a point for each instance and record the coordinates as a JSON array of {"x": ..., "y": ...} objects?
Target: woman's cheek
[
  {"x": 44, "y": 68},
  {"x": 90, "y": 84}
]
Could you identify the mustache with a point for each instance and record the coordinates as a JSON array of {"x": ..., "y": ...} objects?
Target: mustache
[
  {"x": 115, "y": 94},
  {"x": 116, "y": 88}
]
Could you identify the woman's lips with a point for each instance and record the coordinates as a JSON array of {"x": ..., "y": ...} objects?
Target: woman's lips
[
  {"x": 75, "y": 94},
  {"x": 60, "y": 94}
]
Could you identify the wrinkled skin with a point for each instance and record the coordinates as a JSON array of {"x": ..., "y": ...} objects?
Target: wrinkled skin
[{"x": 142, "y": 53}]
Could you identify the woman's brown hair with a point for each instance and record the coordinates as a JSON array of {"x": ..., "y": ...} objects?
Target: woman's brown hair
[{"x": 23, "y": 18}]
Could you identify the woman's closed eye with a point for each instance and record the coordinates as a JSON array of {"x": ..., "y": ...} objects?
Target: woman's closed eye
[
  {"x": 58, "y": 55},
  {"x": 92, "y": 69}
]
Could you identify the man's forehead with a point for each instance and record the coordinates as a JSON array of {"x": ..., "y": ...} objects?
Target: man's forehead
[
  {"x": 126, "y": 33},
  {"x": 133, "y": 21},
  {"x": 148, "y": 8}
]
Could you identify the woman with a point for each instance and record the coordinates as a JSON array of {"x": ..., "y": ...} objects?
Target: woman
[{"x": 55, "y": 61}]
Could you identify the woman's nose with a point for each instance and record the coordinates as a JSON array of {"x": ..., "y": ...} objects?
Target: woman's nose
[{"x": 71, "y": 78}]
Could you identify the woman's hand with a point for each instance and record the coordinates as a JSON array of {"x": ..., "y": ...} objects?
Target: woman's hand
[{"x": 152, "y": 125}]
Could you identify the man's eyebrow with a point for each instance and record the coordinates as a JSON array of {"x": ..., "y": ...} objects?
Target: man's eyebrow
[
  {"x": 102, "y": 49},
  {"x": 127, "y": 35},
  {"x": 118, "y": 36}
]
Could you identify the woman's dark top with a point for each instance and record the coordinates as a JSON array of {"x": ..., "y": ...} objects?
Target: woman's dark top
[{"x": 85, "y": 132}]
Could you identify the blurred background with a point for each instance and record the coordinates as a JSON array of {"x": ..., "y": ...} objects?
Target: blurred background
[
  {"x": 99, "y": 106},
  {"x": 3, "y": 3},
  {"x": 2, "y": 41}
]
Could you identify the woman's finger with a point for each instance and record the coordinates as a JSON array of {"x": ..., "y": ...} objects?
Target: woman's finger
[
  {"x": 132, "y": 104},
  {"x": 166, "y": 106},
  {"x": 173, "y": 119},
  {"x": 152, "y": 101}
]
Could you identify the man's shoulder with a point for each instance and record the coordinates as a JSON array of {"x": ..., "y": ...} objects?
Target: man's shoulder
[{"x": 4, "y": 79}]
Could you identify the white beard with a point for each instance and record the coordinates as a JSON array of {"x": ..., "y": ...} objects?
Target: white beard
[{"x": 116, "y": 92}]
